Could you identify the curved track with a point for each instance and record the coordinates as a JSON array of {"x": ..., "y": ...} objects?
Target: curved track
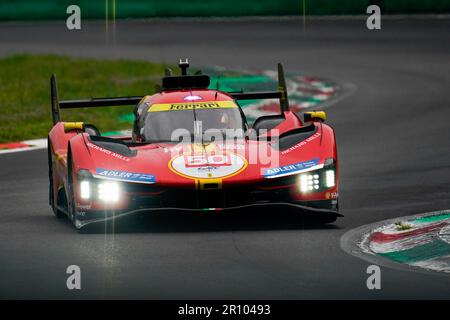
[{"x": 393, "y": 135}]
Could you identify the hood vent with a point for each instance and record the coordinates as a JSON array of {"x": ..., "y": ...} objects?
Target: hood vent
[{"x": 114, "y": 145}]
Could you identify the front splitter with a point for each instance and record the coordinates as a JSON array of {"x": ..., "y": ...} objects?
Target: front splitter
[{"x": 110, "y": 215}]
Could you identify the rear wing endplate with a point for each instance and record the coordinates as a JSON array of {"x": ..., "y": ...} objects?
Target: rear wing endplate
[{"x": 281, "y": 94}]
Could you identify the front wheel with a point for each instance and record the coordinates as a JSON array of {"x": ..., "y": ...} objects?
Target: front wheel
[
  {"x": 51, "y": 190},
  {"x": 72, "y": 211}
]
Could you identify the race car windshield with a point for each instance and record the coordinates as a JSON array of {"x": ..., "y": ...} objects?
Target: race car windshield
[{"x": 171, "y": 125}]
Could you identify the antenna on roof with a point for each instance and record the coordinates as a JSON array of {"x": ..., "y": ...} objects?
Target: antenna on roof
[
  {"x": 183, "y": 66},
  {"x": 217, "y": 83}
]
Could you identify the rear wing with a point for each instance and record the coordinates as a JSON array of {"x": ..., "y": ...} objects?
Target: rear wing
[{"x": 57, "y": 105}]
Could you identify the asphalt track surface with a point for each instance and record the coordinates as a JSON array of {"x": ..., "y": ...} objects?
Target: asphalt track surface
[{"x": 393, "y": 133}]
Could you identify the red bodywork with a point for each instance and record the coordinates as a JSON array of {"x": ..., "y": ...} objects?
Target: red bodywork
[{"x": 155, "y": 159}]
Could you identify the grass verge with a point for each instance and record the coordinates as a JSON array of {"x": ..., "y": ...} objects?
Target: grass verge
[{"x": 25, "y": 91}]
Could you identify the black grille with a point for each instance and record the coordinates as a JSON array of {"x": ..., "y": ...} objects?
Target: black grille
[{"x": 148, "y": 196}]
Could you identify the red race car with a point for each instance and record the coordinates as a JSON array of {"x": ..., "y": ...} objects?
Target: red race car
[{"x": 191, "y": 149}]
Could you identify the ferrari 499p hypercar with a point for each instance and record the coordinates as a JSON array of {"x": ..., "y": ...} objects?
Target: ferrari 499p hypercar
[{"x": 191, "y": 149}]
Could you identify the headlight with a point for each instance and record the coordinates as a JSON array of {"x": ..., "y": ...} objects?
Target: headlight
[
  {"x": 309, "y": 182},
  {"x": 108, "y": 191},
  {"x": 329, "y": 178},
  {"x": 90, "y": 188},
  {"x": 317, "y": 180},
  {"x": 85, "y": 189},
  {"x": 84, "y": 180}
]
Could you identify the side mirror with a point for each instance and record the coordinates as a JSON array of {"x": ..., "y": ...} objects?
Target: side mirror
[
  {"x": 314, "y": 116},
  {"x": 268, "y": 122},
  {"x": 71, "y": 126}
]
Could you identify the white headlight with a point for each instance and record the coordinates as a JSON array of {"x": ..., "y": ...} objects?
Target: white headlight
[
  {"x": 308, "y": 182},
  {"x": 85, "y": 190},
  {"x": 304, "y": 185},
  {"x": 329, "y": 178},
  {"x": 108, "y": 191}
]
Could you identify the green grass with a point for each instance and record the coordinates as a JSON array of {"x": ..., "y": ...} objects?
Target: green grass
[{"x": 25, "y": 91}]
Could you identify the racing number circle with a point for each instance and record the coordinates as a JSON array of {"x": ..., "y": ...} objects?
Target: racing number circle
[{"x": 207, "y": 166}]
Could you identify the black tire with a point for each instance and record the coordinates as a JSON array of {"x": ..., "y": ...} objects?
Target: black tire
[
  {"x": 71, "y": 208},
  {"x": 51, "y": 198}
]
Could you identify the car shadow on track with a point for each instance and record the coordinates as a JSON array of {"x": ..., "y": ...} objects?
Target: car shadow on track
[{"x": 167, "y": 222}]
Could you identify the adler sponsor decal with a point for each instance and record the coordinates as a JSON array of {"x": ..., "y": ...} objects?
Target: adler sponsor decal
[
  {"x": 291, "y": 168},
  {"x": 125, "y": 175},
  {"x": 302, "y": 143}
]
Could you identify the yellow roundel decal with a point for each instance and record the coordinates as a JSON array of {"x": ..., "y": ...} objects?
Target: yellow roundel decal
[
  {"x": 208, "y": 166},
  {"x": 192, "y": 105}
]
